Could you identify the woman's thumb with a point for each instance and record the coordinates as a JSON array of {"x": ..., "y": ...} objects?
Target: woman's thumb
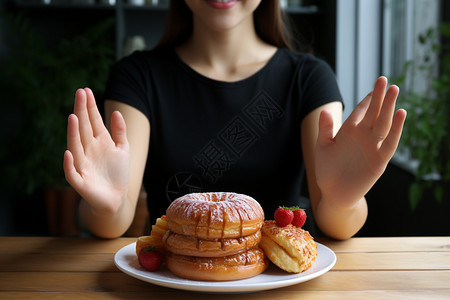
[
  {"x": 118, "y": 129},
  {"x": 325, "y": 128}
]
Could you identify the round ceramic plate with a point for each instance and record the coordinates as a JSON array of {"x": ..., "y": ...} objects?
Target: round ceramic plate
[{"x": 126, "y": 260}]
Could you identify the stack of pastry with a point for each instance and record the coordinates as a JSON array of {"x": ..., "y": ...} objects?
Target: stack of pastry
[{"x": 214, "y": 237}]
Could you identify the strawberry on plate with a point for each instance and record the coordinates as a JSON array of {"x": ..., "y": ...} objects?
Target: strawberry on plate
[
  {"x": 283, "y": 216},
  {"x": 150, "y": 258},
  {"x": 290, "y": 215},
  {"x": 299, "y": 217}
]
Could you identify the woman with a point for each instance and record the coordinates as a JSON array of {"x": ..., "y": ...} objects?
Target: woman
[{"x": 223, "y": 104}]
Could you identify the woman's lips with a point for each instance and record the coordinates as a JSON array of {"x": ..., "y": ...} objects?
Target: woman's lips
[{"x": 224, "y": 4}]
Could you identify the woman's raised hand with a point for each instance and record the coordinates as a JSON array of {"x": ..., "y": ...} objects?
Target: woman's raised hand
[
  {"x": 348, "y": 164},
  {"x": 97, "y": 164}
]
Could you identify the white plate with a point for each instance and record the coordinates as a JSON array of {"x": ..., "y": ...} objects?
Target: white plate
[{"x": 126, "y": 260}]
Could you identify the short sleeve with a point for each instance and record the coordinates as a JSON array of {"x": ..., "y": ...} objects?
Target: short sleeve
[
  {"x": 128, "y": 83},
  {"x": 318, "y": 86}
]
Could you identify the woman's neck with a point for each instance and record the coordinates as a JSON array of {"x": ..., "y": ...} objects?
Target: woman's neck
[{"x": 228, "y": 55}]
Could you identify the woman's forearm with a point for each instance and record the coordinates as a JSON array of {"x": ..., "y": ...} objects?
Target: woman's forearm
[
  {"x": 338, "y": 222},
  {"x": 107, "y": 225}
]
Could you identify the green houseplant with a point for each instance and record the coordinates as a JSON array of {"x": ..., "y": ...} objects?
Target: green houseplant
[
  {"x": 38, "y": 81},
  {"x": 426, "y": 135}
]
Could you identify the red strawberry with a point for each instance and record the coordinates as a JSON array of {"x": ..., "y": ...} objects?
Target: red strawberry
[
  {"x": 299, "y": 217},
  {"x": 150, "y": 259},
  {"x": 283, "y": 216}
]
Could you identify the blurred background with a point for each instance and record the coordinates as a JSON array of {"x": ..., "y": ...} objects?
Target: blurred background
[{"x": 49, "y": 48}]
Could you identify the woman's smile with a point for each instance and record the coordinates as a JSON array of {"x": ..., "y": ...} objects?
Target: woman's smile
[{"x": 222, "y": 4}]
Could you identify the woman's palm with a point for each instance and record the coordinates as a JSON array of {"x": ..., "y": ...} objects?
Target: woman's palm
[
  {"x": 96, "y": 164},
  {"x": 348, "y": 164}
]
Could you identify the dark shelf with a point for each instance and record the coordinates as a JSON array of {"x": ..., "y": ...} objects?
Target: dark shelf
[
  {"x": 145, "y": 7},
  {"x": 310, "y": 9},
  {"x": 61, "y": 5},
  {"x": 40, "y": 5},
  {"x": 307, "y": 10}
]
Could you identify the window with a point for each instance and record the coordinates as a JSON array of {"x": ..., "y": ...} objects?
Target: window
[{"x": 403, "y": 22}]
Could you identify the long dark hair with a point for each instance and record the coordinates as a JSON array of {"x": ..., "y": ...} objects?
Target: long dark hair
[{"x": 271, "y": 24}]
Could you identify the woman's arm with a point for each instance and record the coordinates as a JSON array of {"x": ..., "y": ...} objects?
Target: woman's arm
[
  {"x": 115, "y": 223},
  {"x": 336, "y": 222},
  {"x": 343, "y": 162},
  {"x": 138, "y": 135}
]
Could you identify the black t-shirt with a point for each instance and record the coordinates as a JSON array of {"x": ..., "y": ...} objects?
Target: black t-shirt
[{"x": 209, "y": 135}]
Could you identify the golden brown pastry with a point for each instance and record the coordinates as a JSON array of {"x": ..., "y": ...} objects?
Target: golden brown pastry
[
  {"x": 290, "y": 248},
  {"x": 215, "y": 215},
  {"x": 160, "y": 228},
  {"x": 214, "y": 237},
  {"x": 192, "y": 246},
  {"x": 243, "y": 265},
  {"x": 155, "y": 239}
]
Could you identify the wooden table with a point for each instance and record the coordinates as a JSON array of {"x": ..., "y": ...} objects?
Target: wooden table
[{"x": 366, "y": 268}]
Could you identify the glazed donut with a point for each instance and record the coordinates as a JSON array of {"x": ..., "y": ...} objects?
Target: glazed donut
[
  {"x": 215, "y": 215},
  {"x": 243, "y": 265},
  {"x": 290, "y": 248},
  {"x": 192, "y": 246}
]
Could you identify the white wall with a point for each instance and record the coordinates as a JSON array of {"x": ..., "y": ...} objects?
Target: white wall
[
  {"x": 358, "y": 49},
  {"x": 346, "y": 51}
]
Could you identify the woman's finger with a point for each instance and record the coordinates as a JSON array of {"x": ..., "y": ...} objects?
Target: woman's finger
[
  {"x": 72, "y": 176},
  {"x": 95, "y": 118},
  {"x": 360, "y": 110},
  {"x": 375, "y": 103},
  {"x": 82, "y": 114},
  {"x": 384, "y": 120},
  {"x": 325, "y": 128},
  {"x": 118, "y": 129},
  {"x": 74, "y": 144},
  {"x": 390, "y": 144}
]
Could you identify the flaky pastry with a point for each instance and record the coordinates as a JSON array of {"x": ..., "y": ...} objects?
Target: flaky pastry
[{"x": 290, "y": 248}]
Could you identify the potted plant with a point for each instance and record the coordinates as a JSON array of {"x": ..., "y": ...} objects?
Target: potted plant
[
  {"x": 38, "y": 82},
  {"x": 426, "y": 137}
]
